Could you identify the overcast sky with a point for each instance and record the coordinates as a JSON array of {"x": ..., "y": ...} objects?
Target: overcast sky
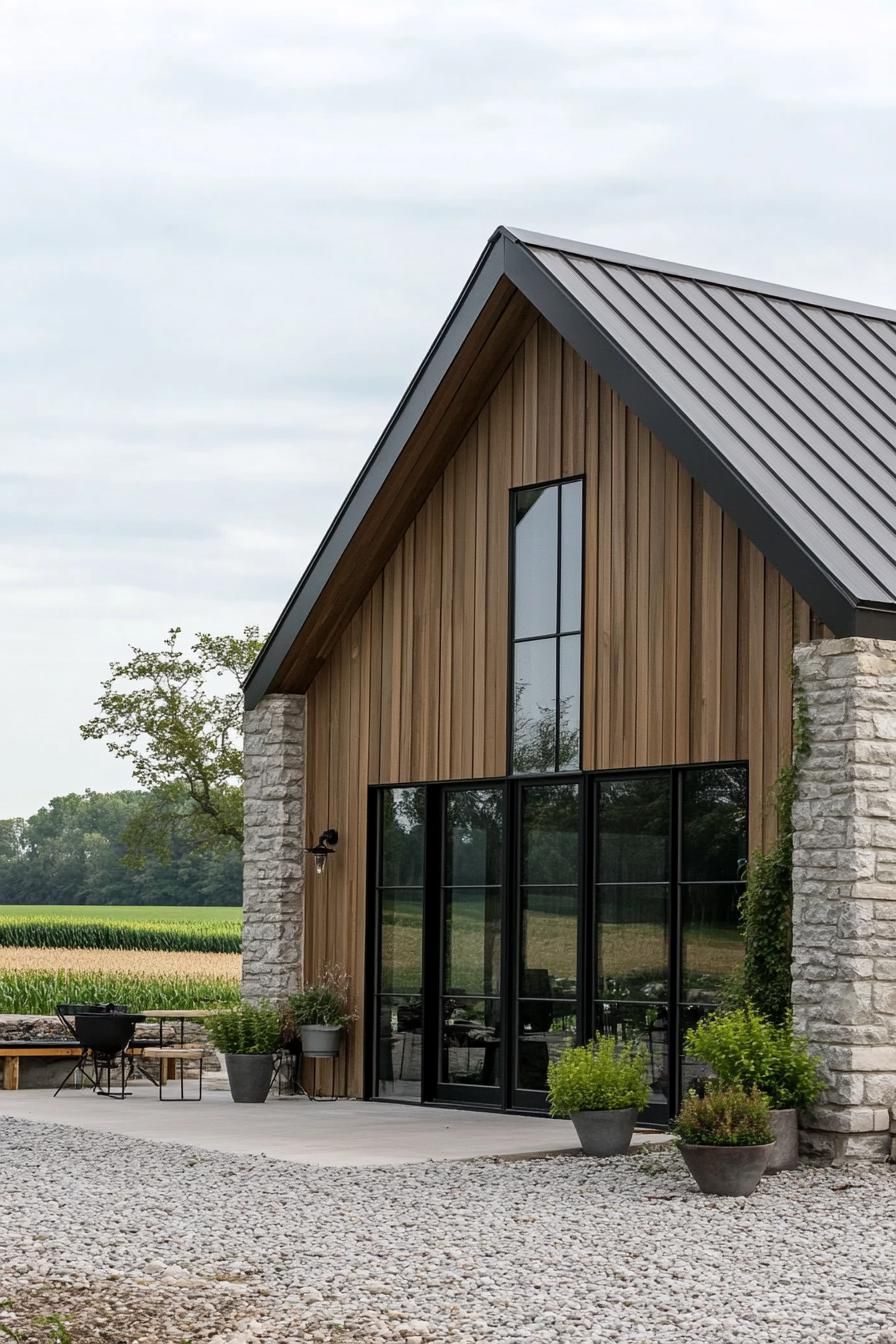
[{"x": 229, "y": 232}]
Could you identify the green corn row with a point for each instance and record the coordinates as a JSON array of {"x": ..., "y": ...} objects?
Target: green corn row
[
  {"x": 128, "y": 935},
  {"x": 38, "y": 992}
]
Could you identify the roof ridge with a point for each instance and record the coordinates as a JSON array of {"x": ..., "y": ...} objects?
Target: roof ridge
[{"x": 680, "y": 271}]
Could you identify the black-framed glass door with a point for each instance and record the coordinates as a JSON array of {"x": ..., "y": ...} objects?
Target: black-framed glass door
[
  {"x": 398, "y": 954},
  {"x": 472, "y": 946},
  {"x": 547, "y": 924},
  {"x": 632, "y": 921}
]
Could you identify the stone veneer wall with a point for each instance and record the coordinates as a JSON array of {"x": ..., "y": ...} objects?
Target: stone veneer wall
[
  {"x": 274, "y": 847},
  {"x": 844, "y": 883}
]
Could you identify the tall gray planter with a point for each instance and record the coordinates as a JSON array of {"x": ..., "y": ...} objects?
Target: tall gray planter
[
  {"x": 722, "y": 1170},
  {"x": 249, "y": 1076},
  {"x": 605, "y": 1133},
  {"x": 786, "y": 1152}
]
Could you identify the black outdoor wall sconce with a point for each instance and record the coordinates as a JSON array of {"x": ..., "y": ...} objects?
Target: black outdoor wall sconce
[{"x": 323, "y": 849}]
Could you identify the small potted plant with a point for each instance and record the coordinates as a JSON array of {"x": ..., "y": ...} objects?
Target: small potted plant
[
  {"x": 601, "y": 1088},
  {"x": 726, "y": 1138},
  {"x": 321, "y": 1013},
  {"x": 746, "y": 1047},
  {"x": 247, "y": 1036}
]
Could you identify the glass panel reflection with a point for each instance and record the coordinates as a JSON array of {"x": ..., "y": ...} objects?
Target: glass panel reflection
[
  {"x": 535, "y": 575},
  {"x": 474, "y": 833},
  {"x": 714, "y": 824},
  {"x": 633, "y": 942},
  {"x": 471, "y": 1041},
  {"x": 545, "y": 1031},
  {"x": 401, "y": 849},
  {"x": 549, "y": 942},
  {"x": 569, "y": 710},
  {"x": 472, "y": 940},
  {"x": 535, "y": 706},
  {"x": 550, "y": 833},
  {"x": 644, "y": 1024},
  {"x": 691, "y": 1069},
  {"x": 571, "y": 556},
  {"x": 633, "y": 825},
  {"x": 401, "y": 941},
  {"x": 712, "y": 948},
  {"x": 399, "y": 1048}
]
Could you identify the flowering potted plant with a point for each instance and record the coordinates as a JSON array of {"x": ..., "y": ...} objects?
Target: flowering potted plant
[
  {"x": 321, "y": 1013},
  {"x": 726, "y": 1138}
]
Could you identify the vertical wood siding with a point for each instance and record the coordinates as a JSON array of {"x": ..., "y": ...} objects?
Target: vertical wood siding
[{"x": 688, "y": 631}]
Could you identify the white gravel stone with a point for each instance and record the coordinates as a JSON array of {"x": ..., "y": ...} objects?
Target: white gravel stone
[{"x": 148, "y": 1243}]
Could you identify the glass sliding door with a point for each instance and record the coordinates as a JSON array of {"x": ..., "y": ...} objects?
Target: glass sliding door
[
  {"x": 547, "y": 933},
  {"x": 472, "y": 900},
  {"x": 398, "y": 926},
  {"x": 633, "y": 828}
]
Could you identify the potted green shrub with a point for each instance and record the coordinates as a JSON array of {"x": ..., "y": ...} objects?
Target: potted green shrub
[
  {"x": 726, "y": 1138},
  {"x": 247, "y": 1036},
  {"x": 321, "y": 1013},
  {"x": 748, "y": 1048},
  {"x": 601, "y": 1088}
]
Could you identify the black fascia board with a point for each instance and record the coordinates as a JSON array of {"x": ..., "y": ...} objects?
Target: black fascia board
[
  {"x": 577, "y": 326},
  {"x": 488, "y": 272}
]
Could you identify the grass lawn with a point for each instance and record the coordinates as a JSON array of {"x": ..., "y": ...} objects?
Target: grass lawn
[{"x": 155, "y": 914}]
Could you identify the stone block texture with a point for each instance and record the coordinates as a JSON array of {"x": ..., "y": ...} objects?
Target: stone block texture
[
  {"x": 274, "y": 847},
  {"x": 844, "y": 892}
]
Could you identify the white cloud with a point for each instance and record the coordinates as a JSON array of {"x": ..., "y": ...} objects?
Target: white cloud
[{"x": 229, "y": 231}]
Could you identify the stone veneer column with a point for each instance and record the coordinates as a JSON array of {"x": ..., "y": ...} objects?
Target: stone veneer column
[
  {"x": 273, "y": 849},
  {"x": 844, "y": 891}
]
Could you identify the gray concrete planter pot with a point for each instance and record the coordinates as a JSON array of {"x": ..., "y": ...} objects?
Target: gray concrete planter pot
[
  {"x": 249, "y": 1076},
  {"x": 719, "y": 1170},
  {"x": 319, "y": 1042},
  {"x": 605, "y": 1133},
  {"x": 786, "y": 1151}
]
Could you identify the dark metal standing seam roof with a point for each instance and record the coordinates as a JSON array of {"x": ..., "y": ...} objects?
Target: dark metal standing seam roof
[{"x": 781, "y": 403}]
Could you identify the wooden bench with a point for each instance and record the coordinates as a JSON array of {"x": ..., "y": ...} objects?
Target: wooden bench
[{"x": 13, "y": 1054}]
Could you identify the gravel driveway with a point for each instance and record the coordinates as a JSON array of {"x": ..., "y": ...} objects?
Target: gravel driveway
[{"x": 138, "y": 1243}]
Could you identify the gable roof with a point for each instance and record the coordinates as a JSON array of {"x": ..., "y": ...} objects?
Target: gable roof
[{"x": 780, "y": 403}]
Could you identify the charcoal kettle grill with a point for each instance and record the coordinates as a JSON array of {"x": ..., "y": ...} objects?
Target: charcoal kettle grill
[{"x": 104, "y": 1032}]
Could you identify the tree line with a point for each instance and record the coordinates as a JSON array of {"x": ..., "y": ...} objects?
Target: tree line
[{"x": 80, "y": 850}]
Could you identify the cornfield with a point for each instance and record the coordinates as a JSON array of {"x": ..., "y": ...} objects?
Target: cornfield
[
  {"x": 159, "y": 983},
  {"x": 129, "y": 935}
]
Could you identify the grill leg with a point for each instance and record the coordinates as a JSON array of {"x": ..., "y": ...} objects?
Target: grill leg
[{"x": 74, "y": 1069}]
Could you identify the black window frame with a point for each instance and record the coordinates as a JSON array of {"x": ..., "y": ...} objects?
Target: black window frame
[
  {"x": 513, "y": 1098},
  {"x": 569, "y": 771}
]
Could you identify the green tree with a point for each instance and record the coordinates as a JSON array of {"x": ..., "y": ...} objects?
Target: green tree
[
  {"x": 72, "y": 852},
  {"x": 167, "y": 713}
]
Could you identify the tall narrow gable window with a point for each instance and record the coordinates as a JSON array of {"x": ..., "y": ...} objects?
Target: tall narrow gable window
[{"x": 546, "y": 651}]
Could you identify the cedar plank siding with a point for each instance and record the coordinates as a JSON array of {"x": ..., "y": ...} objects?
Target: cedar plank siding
[{"x": 688, "y": 632}]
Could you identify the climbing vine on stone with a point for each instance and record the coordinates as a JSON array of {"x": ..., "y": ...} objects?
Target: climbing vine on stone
[{"x": 766, "y": 906}]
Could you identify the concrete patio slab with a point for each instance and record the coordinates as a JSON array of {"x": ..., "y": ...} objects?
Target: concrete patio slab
[{"x": 326, "y": 1134}]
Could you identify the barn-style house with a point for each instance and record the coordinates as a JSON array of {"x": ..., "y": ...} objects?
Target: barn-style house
[{"x": 538, "y": 679}]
